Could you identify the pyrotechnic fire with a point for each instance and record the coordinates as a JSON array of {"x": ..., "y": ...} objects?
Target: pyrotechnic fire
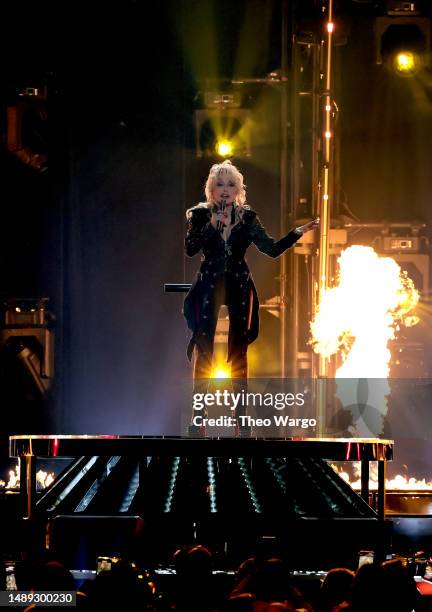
[
  {"x": 398, "y": 483},
  {"x": 361, "y": 314},
  {"x": 14, "y": 478},
  {"x": 43, "y": 479},
  {"x": 356, "y": 319}
]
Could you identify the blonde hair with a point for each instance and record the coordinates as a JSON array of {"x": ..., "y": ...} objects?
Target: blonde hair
[{"x": 228, "y": 167}]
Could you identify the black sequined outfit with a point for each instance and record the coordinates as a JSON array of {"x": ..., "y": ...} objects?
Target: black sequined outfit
[{"x": 224, "y": 278}]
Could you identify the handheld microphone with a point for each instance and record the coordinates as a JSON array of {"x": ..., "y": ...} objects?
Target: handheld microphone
[{"x": 222, "y": 206}]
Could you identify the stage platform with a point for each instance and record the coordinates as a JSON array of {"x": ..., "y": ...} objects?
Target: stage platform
[
  {"x": 337, "y": 449},
  {"x": 144, "y": 452},
  {"x": 146, "y": 495}
]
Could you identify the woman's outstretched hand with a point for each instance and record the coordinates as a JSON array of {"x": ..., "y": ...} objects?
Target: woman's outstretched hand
[{"x": 307, "y": 227}]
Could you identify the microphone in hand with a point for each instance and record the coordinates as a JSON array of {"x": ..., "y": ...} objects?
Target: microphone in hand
[{"x": 220, "y": 214}]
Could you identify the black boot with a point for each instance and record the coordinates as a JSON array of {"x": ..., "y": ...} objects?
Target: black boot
[
  {"x": 196, "y": 431},
  {"x": 242, "y": 431},
  {"x": 245, "y": 431}
]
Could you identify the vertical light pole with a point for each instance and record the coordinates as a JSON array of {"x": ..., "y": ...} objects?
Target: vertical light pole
[
  {"x": 325, "y": 191},
  {"x": 283, "y": 184},
  {"x": 324, "y": 200}
]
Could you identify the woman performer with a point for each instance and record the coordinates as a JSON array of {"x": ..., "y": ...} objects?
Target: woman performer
[{"x": 222, "y": 228}]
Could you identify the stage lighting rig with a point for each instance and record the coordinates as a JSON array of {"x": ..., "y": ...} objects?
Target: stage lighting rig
[
  {"x": 27, "y": 337},
  {"x": 410, "y": 248},
  {"x": 409, "y": 245},
  {"x": 222, "y": 125},
  {"x": 402, "y": 38},
  {"x": 27, "y": 127}
]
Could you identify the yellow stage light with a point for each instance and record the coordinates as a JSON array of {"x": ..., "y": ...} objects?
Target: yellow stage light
[
  {"x": 405, "y": 61},
  {"x": 224, "y": 148},
  {"x": 221, "y": 372}
]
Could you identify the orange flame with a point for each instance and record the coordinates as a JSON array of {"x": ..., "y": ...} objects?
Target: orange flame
[
  {"x": 44, "y": 479},
  {"x": 356, "y": 319},
  {"x": 359, "y": 316},
  {"x": 398, "y": 483}
]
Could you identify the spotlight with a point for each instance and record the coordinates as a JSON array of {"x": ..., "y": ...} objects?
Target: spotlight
[
  {"x": 224, "y": 148},
  {"x": 402, "y": 42},
  {"x": 220, "y": 372},
  {"x": 27, "y": 133},
  {"x": 27, "y": 337},
  {"x": 28, "y": 354},
  {"x": 222, "y": 126},
  {"x": 406, "y": 62}
]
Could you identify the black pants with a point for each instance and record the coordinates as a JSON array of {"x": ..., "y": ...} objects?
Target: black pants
[{"x": 229, "y": 291}]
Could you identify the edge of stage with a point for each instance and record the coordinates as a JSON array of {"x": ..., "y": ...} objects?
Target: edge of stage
[{"x": 337, "y": 449}]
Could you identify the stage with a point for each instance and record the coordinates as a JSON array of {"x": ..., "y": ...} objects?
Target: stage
[{"x": 218, "y": 489}]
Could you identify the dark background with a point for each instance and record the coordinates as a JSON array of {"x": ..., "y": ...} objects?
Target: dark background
[{"x": 102, "y": 230}]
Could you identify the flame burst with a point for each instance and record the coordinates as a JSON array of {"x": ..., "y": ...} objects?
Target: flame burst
[
  {"x": 357, "y": 318},
  {"x": 398, "y": 483},
  {"x": 14, "y": 478},
  {"x": 43, "y": 479}
]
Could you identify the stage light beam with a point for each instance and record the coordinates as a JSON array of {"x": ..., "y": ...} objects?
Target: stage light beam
[
  {"x": 406, "y": 62},
  {"x": 221, "y": 372},
  {"x": 224, "y": 148}
]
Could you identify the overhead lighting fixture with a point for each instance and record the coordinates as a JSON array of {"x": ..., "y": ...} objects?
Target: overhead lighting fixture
[
  {"x": 402, "y": 39},
  {"x": 222, "y": 125},
  {"x": 27, "y": 335}
]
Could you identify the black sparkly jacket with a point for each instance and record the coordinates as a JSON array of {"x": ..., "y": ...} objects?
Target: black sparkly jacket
[{"x": 221, "y": 258}]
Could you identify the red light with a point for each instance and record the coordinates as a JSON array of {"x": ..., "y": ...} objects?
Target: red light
[{"x": 348, "y": 453}]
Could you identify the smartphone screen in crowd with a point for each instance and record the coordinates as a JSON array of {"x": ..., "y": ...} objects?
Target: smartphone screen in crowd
[
  {"x": 103, "y": 564},
  {"x": 365, "y": 556},
  {"x": 10, "y": 576}
]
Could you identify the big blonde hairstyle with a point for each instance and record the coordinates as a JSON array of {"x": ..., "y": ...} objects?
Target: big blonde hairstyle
[{"x": 226, "y": 167}]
